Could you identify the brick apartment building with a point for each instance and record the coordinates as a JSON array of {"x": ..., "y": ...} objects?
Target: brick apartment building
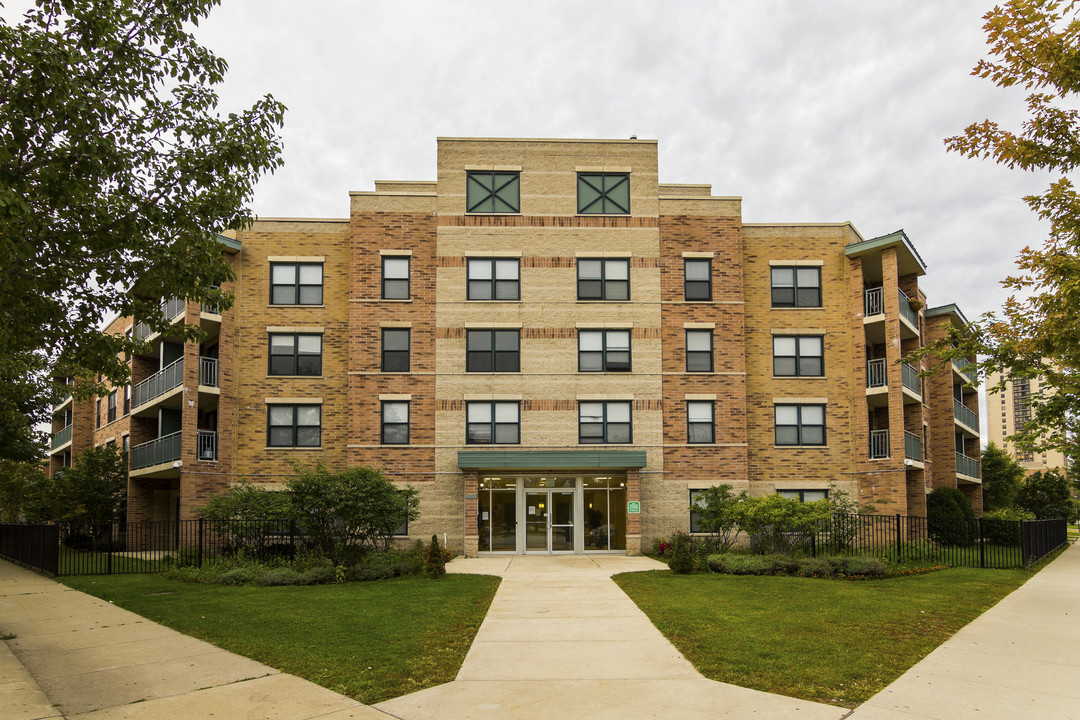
[{"x": 555, "y": 349}]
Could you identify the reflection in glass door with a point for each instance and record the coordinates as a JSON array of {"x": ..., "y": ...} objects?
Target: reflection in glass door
[{"x": 549, "y": 521}]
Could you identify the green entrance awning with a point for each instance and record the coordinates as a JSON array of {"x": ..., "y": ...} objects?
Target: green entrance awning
[{"x": 550, "y": 459}]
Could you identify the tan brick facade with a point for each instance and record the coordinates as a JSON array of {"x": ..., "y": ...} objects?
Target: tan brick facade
[{"x": 547, "y": 239}]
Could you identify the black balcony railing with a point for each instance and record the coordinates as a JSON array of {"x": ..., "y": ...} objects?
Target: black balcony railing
[
  {"x": 156, "y": 452},
  {"x": 206, "y": 447},
  {"x": 874, "y": 301},
  {"x": 161, "y": 382},
  {"x": 875, "y": 373},
  {"x": 879, "y": 444},
  {"x": 208, "y": 371}
]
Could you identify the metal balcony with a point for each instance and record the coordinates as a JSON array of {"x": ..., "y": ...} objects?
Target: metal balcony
[
  {"x": 912, "y": 447},
  {"x": 61, "y": 437},
  {"x": 875, "y": 373},
  {"x": 967, "y": 466},
  {"x": 909, "y": 376},
  {"x": 208, "y": 371},
  {"x": 161, "y": 382},
  {"x": 874, "y": 301},
  {"x": 156, "y": 452},
  {"x": 965, "y": 415},
  {"x": 206, "y": 446},
  {"x": 961, "y": 365},
  {"x": 905, "y": 309},
  {"x": 879, "y": 444},
  {"x": 170, "y": 308}
]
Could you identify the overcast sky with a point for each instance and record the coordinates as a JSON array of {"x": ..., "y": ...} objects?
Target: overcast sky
[{"x": 812, "y": 112}]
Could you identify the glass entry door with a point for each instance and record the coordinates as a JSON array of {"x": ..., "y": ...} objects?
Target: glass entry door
[{"x": 549, "y": 521}]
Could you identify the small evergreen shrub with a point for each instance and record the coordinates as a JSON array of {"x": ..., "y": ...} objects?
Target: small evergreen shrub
[
  {"x": 682, "y": 560},
  {"x": 239, "y": 576},
  {"x": 860, "y": 566},
  {"x": 434, "y": 559},
  {"x": 1002, "y": 527},
  {"x": 316, "y": 576}
]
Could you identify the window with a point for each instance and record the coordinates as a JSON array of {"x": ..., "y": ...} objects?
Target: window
[
  {"x": 127, "y": 400},
  {"x": 493, "y": 423},
  {"x": 296, "y": 284},
  {"x": 97, "y": 412},
  {"x": 804, "y": 495},
  {"x": 295, "y": 355},
  {"x": 603, "y": 279},
  {"x": 395, "y": 278},
  {"x": 699, "y": 422},
  {"x": 294, "y": 426},
  {"x": 695, "y": 519},
  {"x": 798, "y": 356},
  {"x": 493, "y": 351},
  {"x": 603, "y": 350},
  {"x": 112, "y": 407},
  {"x": 395, "y": 350},
  {"x": 800, "y": 424},
  {"x": 697, "y": 279},
  {"x": 603, "y": 193},
  {"x": 604, "y": 422},
  {"x": 796, "y": 287},
  {"x": 699, "y": 356},
  {"x": 494, "y": 279},
  {"x": 395, "y": 422},
  {"x": 493, "y": 192},
  {"x": 125, "y": 444}
]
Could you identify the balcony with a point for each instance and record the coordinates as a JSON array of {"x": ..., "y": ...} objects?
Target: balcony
[
  {"x": 913, "y": 447},
  {"x": 906, "y": 313},
  {"x": 967, "y": 466},
  {"x": 206, "y": 446},
  {"x": 157, "y": 385},
  {"x": 208, "y": 372},
  {"x": 165, "y": 449},
  {"x": 909, "y": 378},
  {"x": 61, "y": 438},
  {"x": 966, "y": 416},
  {"x": 171, "y": 309},
  {"x": 874, "y": 302},
  {"x": 960, "y": 366},
  {"x": 879, "y": 444},
  {"x": 875, "y": 373}
]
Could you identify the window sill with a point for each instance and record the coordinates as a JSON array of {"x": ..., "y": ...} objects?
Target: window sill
[
  {"x": 271, "y": 305},
  {"x": 800, "y": 447},
  {"x": 602, "y": 301},
  {"x": 291, "y": 447},
  {"x": 294, "y": 377},
  {"x": 493, "y": 214},
  {"x": 592, "y": 215},
  {"x": 800, "y": 377},
  {"x": 394, "y": 300},
  {"x": 807, "y": 307},
  {"x": 508, "y": 302},
  {"x": 395, "y": 372}
]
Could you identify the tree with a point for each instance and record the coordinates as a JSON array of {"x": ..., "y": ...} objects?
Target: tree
[
  {"x": 17, "y": 483},
  {"x": 950, "y": 519},
  {"x": 88, "y": 496},
  {"x": 1035, "y": 45},
  {"x": 1001, "y": 478},
  {"x": 716, "y": 511},
  {"x": 350, "y": 511},
  {"x": 117, "y": 172},
  {"x": 1045, "y": 494}
]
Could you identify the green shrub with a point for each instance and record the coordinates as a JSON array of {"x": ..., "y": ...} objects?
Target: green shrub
[
  {"x": 777, "y": 524},
  {"x": 864, "y": 566},
  {"x": 781, "y": 564},
  {"x": 1002, "y": 527},
  {"x": 949, "y": 517},
  {"x": 718, "y": 511},
  {"x": 434, "y": 559},
  {"x": 745, "y": 565},
  {"x": 280, "y": 576},
  {"x": 316, "y": 576},
  {"x": 239, "y": 576},
  {"x": 815, "y": 567},
  {"x": 682, "y": 561}
]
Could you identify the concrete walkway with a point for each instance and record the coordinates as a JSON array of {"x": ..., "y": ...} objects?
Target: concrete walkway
[
  {"x": 1019, "y": 659},
  {"x": 76, "y": 655},
  {"x": 561, "y": 637}
]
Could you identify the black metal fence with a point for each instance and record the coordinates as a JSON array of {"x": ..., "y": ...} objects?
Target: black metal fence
[
  {"x": 145, "y": 547},
  {"x": 148, "y": 547},
  {"x": 983, "y": 543}
]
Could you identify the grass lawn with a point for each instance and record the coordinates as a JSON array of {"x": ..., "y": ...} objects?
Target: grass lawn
[
  {"x": 830, "y": 641},
  {"x": 371, "y": 641}
]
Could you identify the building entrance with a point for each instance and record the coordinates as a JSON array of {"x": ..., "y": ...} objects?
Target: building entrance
[{"x": 549, "y": 514}]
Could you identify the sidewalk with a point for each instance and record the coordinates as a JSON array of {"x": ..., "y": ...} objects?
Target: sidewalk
[
  {"x": 74, "y": 654},
  {"x": 1019, "y": 659},
  {"x": 561, "y": 637}
]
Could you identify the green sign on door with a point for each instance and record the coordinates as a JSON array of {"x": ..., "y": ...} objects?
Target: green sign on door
[{"x": 633, "y": 507}]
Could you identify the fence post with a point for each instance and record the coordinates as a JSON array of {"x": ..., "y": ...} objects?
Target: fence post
[
  {"x": 899, "y": 539},
  {"x": 200, "y": 550},
  {"x": 982, "y": 545}
]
